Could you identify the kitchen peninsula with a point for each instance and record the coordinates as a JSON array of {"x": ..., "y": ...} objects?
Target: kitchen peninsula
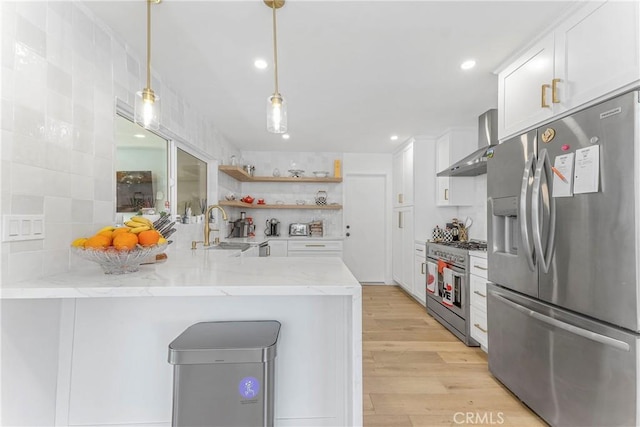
[{"x": 85, "y": 348}]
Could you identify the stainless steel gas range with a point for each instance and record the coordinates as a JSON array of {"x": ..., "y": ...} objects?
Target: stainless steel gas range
[{"x": 448, "y": 285}]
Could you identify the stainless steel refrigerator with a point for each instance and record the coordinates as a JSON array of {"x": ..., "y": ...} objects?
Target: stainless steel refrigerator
[{"x": 563, "y": 252}]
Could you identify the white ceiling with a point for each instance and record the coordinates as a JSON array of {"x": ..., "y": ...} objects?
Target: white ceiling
[{"x": 353, "y": 72}]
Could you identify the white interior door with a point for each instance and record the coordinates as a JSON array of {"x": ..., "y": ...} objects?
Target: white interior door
[{"x": 364, "y": 222}]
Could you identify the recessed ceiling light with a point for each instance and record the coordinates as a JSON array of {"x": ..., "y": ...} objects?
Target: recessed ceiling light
[
  {"x": 260, "y": 64},
  {"x": 394, "y": 137},
  {"x": 139, "y": 135},
  {"x": 285, "y": 136},
  {"x": 467, "y": 65}
]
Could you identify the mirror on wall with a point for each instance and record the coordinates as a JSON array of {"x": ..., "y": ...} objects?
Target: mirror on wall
[
  {"x": 141, "y": 168},
  {"x": 191, "y": 183}
]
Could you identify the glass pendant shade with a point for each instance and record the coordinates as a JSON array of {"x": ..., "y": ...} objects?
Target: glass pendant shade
[
  {"x": 276, "y": 114},
  {"x": 147, "y": 109}
]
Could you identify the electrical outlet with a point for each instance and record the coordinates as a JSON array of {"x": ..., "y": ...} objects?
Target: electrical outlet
[{"x": 22, "y": 227}]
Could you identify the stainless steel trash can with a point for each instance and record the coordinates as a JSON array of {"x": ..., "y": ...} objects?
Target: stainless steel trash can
[{"x": 224, "y": 374}]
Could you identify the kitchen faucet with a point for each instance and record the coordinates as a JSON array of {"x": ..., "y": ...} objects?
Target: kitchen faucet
[{"x": 207, "y": 229}]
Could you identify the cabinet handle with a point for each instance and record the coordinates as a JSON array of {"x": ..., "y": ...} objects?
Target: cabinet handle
[
  {"x": 446, "y": 194},
  {"x": 480, "y": 293},
  {"x": 554, "y": 90},
  {"x": 480, "y": 267},
  {"x": 400, "y": 220},
  {"x": 477, "y": 325},
  {"x": 400, "y": 198},
  {"x": 314, "y": 246},
  {"x": 422, "y": 268},
  {"x": 268, "y": 250},
  {"x": 544, "y": 96}
]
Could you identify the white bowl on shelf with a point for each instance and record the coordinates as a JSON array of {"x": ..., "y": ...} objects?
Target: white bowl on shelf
[{"x": 321, "y": 174}]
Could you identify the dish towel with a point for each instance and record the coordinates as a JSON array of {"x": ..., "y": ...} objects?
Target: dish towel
[
  {"x": 448, "y": 297},
  {"x": 432, "y": 277}
]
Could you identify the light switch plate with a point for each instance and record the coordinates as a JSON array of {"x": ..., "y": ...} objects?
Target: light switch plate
[{"x": 22, "y": 227}]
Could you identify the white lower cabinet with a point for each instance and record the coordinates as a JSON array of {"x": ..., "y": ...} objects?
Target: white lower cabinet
[
  {"x": 478, "y": 290},
  {"x": 420, "y": 273},
  {"x": 278, "y": 248},
  {"x": 307, "y": 247},
  {"x": 402, "y": 249}
]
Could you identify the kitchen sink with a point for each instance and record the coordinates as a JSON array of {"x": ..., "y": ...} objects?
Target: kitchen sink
[{"x": 237, "y": 246}]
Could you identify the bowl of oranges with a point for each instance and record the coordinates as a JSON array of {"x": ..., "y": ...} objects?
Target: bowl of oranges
[{"x": 120, "y": 250}]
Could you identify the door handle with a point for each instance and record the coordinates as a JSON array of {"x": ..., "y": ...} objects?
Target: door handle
[
  {"x": 543, "y": 102},
  {"x": 585, "y": 333},
  {"x": 543, "y": 172},
  {"x": 477, "y": 325},
  {"x": 422, "y": 268},
  {"x": 524, "y": 213},
  {"x": 554, "y": 91}
]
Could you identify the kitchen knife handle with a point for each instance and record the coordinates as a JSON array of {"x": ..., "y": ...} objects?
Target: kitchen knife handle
[
  {"x": 544, "y": 96},
  {"x": 554, "y": 91}
]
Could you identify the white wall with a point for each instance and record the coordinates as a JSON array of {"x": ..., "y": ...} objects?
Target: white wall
[
  {"x": 359, "y": 163},
  {"x": 61, "y": 73}
]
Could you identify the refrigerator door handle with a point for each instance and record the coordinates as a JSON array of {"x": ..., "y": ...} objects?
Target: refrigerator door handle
[
  {"x": 524, "y": 214},
  {"x": 585, "y": 333},
  {"x": 543, "y": 171}
]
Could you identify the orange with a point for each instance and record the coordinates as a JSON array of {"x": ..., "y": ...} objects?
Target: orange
[
  {"x": 148, "y": 238},
  {"x": 97, "y": 242},
  {"x": 106, "y": 233},
  {"x": 125, "y": 241},
  {"x": 117, "y": 231}
]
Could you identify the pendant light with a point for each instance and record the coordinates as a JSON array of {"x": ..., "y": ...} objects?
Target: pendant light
[
  {"x": 147, "y": 107},
  {"x": 276, "y": 105}
]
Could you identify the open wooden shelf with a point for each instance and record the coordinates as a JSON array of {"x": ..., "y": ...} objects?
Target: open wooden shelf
[
  {"x": 239, "y": 174},
  {"x": 237, "y": 204}
]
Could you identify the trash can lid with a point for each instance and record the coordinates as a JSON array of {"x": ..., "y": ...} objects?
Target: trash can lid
[{"x": 226, "y": 342}]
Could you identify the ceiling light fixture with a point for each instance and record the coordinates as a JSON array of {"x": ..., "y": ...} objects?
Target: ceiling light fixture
[
  {"x": 260, "y": 64},
  {"x": 276, "y": 105},
  {"x": 147, "y": 107},
  {"x": 394, "y": 137},
  {"x": 286, "y": 136},
  {"x": 467, "y": 65}
]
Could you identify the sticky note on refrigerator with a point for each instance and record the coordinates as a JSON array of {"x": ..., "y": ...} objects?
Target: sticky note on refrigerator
[
  {"x": 587, "y": 170},
  {"x": 563, "y": 175}
]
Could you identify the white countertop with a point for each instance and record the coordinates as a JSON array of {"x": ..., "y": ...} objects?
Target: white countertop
[{"x": 197, "y": 273}]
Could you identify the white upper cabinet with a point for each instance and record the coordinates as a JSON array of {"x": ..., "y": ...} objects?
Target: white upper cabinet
[
  {"x": 521, "y": 88},
  {"x": 403, "y": 176},
  {"x": 590, "y": 56},
  {"x": 451, "y": 147}
]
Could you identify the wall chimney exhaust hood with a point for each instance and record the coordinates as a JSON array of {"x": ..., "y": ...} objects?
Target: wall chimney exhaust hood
[{"x": 476, "y": 163}]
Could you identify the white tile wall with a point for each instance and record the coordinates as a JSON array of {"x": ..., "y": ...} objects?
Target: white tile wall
[
  {"x": 61, "y": 73},
  {"x": 265, "y": 162}
]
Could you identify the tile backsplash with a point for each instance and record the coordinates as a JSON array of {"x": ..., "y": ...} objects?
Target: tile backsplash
[{"x": 57, "y": 155}]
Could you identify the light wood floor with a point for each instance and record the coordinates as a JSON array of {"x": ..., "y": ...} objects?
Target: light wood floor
[{"x": 416, "y": 373}]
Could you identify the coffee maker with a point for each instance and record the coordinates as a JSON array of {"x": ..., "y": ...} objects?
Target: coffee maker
[
  {"x": 273, "y": 228},
  {"x": 242, "y": 227}
]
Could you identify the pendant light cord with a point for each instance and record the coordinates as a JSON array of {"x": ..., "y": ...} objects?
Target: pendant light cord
[
  {"x": 275, "y": 47},
  {"x": 149, "y": 44}
]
